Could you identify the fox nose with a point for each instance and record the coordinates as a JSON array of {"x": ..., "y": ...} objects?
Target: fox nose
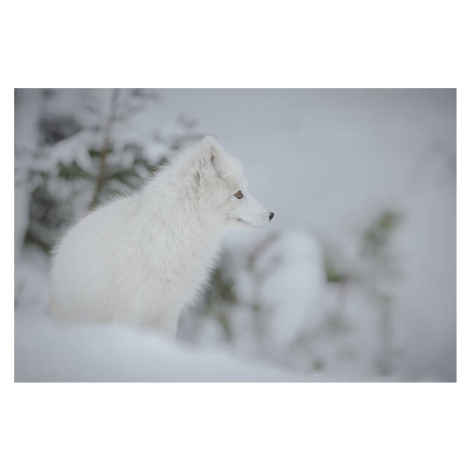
[{"x": 271, "y": 215}]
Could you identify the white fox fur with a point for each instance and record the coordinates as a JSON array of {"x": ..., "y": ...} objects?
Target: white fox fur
[{"x": 144, "y": 257}]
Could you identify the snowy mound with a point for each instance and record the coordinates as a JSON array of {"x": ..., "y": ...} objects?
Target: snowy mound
[{"x": 49, "y": 352}]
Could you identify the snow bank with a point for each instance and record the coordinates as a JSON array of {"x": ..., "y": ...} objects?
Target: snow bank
[{"x": 46, "y": 351}]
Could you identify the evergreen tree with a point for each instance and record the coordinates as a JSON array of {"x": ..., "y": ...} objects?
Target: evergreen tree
[{"x": 85, "y": 154}]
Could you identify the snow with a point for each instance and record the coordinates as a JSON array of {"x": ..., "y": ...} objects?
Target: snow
[
  {"x": 49, "y": 352},
  {"x": 296, "y": 288},
  {"x": 75, "y": 148},
  {"x": 291, "y": 268}
]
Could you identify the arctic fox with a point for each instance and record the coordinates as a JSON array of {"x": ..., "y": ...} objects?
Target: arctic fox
[{"x": 143, "y": 258}]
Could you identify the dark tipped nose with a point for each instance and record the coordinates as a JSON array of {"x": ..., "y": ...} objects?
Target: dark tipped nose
[{"x": 271, "y": 215}]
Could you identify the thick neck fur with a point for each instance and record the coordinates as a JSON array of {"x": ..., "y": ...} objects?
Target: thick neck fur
[
  {"x": 186, "y": 209},
  {"x": 193, "y": 232}
]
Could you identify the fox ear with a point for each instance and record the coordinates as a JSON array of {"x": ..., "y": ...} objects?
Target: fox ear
[
  {"x": 211, "y": 148},
  {"x": 211, "y": 154}
]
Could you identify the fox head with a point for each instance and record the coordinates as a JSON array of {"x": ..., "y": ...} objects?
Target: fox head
[{"x": 221, "y": 188}]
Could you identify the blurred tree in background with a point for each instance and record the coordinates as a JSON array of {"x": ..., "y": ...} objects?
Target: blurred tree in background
[{"x": 83, "y": 155}]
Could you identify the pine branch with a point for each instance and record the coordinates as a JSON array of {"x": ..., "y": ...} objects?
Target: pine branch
[{"x": 106, "y": 149}]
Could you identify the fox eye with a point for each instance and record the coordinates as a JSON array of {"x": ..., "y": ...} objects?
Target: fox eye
[{"x": 238, "y": 194}]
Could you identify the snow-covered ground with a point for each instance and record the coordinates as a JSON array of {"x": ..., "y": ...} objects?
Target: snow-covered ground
[{"x": 48, "y": 352}]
